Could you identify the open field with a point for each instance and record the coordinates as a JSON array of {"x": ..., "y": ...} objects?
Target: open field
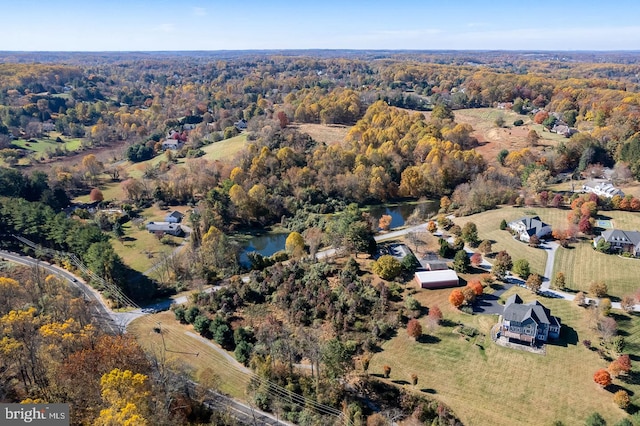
[
  {"x": 225, "y": 149},
  {"x": 486, "y": 384},
  {"x": 139, "y": 248},
  {"x": 203, "y": 363},
  {"x": 488, "y": 224},
  {"x": 329, "y": 134},
  {"x": 493, "y": 139},
  {"x": 48, "y": 143}
]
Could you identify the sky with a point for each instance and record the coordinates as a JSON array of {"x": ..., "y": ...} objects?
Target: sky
[{"x": 164, "y": 25}]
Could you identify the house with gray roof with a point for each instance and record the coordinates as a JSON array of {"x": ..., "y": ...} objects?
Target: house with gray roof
[
  {"x": 161, "y": 228},
  {"x": 620, "y": 241},
  {"x": 528, "y": 322},
  {"x": 528, "y": 226}
]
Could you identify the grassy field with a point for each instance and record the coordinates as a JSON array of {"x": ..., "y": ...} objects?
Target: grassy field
[
  {"x": 488, "y": 224},
  {"x": 486, "y": 384},
  {"x": 582, "y": 265},
  {"x": 198, "y": 359},
  {"x": 48, "y": 143},
  {"x": 329, "y": 134},
  {"x": 225, "y": 149}
]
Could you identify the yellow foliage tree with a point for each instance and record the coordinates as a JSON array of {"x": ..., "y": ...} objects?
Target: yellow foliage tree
[{"x": 125, "y": 394}]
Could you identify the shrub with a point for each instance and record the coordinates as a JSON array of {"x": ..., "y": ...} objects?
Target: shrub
[
  {"x": 602, "y": 377},
  {"x": 387, "y": 371},
  {"x": 518, "y": 123}
]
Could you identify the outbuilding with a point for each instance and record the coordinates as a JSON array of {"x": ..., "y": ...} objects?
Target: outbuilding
[{"x": 437, "y": 279}]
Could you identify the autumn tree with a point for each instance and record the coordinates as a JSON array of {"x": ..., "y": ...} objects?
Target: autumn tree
[
  {"x": 579, "y": 299},
  {"x": 559, "y": 281},
  {"x": 294, "y": 244},
  {"x": 501, "y": 264},
  {"x": 432, "y": 227},
  {"x": 469, "y": 295},
  {"x": 485, "y": 247},
  {"x": 387, "y": 267},
  {"x": 414, "y": 328},
  {"x": 476, "y": 286},
  {"x": 456, "y": 298},
  {"x": 532, "y": 138},
  {"x": 384, "y": 222},
  {"x": 621, "y": 398},
  {"x": 476, "y": 259},
  {"x": 628, "y": 303},
  {"x": 602, "y": 377},
  {"x": 534, "y": 282},
  {"x": 435, "y": 315},
  {"x": 598, "y": 289},
  {"x": 125, "y": 394},
  {"x": 414, "y": 379},
  {"x": 96, "y": 195}
]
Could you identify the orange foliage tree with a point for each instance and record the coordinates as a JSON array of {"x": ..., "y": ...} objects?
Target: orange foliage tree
[
  {"x": 602, "y": 377},
  {"x": 456, "y": 298},
  {"x": 476, "y": 286}
]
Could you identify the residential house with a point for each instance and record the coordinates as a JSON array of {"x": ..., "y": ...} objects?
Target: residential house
[
  {"x": 528, "y": 226},
  {"x": 240, "y": 125},
  {"x": 399, "y": 251},
  {"x": 174, "y": 217},
  {"x": 162, "y": 228},
  {"x": 620, "y": 241},
  {"x": 604, "y": 189},
  {"x": 564, "y": 130},
  {"x": 437, "y": 279},
  {"x": 174, "y": 144},
  {"x": 528, "y": 322}
]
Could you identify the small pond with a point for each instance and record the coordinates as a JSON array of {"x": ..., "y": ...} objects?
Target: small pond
[{"x": 270, "y": 243}]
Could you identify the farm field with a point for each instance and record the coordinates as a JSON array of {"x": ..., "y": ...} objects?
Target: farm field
[
  {"x": 329, "y": 134},
  {"x": 493, "y": 139},
  {"x": 225, "y": 149},
  {"x": 487, "y": 384},
  {"x": 203, "y": 363}
]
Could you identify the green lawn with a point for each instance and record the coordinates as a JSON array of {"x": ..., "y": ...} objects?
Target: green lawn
[
  {"x": 486, "y": 384},
  {"x": 582, "y": 265},
  {"x": 488, "y": 224},
  {"x": 136, "y": 244},
  {"x": 225, "y": 149},
  {"x": 49, "y": 143}
]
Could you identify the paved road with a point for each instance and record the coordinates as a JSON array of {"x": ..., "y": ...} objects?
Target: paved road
[{"x": 100, "y": 310}]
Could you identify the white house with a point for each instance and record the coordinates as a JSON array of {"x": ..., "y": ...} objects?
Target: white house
[
  {"x": 604, "y": 189},
  {"x": 173, "y": 144},
  {"x": 528, "y": 226}
]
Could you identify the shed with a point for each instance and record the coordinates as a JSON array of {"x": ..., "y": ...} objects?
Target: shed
[{"x": 437, "y": 279}]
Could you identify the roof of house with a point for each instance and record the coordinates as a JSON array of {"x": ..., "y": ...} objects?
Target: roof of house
[
  {"x": 162, "y": 226},
  {"x": 516, "y": 310},
  {"x": 176, "y": 214},
  {"x": 620, "y": 236},
  {"x": 532, "y": 224},
  {"x": 437, "y": 276}
]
